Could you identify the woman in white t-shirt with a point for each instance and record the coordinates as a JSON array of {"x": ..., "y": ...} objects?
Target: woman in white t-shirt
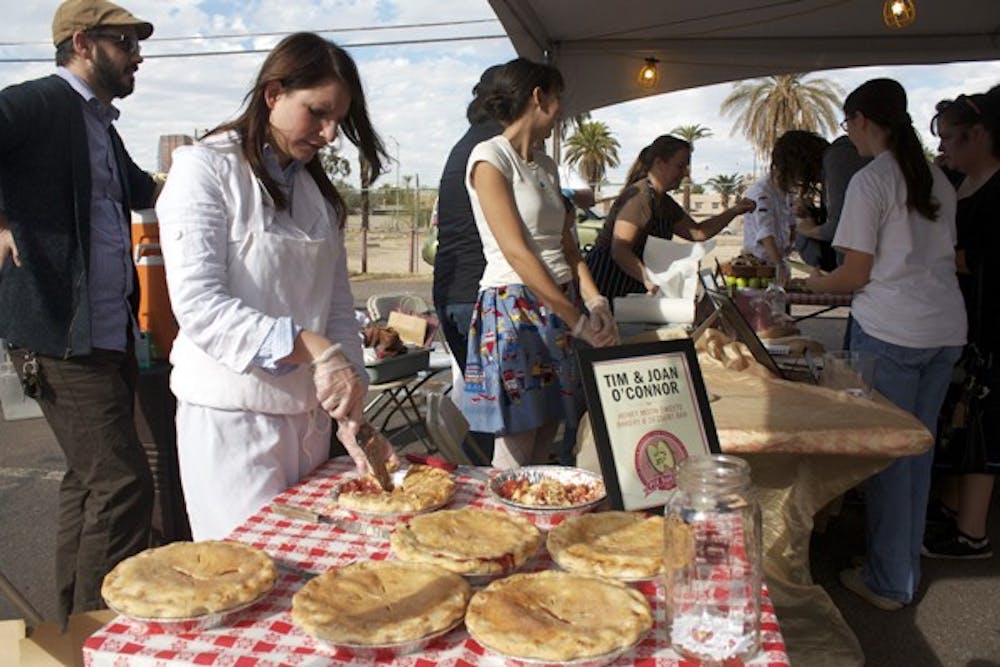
[
  {"x": 520, "y": 374},
  {"x": 897, "y": 233}
]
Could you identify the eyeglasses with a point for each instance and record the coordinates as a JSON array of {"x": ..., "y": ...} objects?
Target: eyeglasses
[
  {"x": 843, "y": 123},
  {"x": 126, "y": 43}
]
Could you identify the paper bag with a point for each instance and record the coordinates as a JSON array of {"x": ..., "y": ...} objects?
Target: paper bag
[{"x": 411, "y": 328}]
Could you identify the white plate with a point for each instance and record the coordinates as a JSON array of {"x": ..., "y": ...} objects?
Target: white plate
[
  {"x": 373, "y": 652},
  {"x": 534, "y": 474},
  {"x": 189, "y": 623}
]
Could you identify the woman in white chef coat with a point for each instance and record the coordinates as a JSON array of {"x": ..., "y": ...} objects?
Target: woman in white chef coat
[{"x": 252, "y": 236}]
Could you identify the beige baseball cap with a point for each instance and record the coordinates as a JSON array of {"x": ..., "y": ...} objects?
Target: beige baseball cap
[{"x": 74, "y": 15}]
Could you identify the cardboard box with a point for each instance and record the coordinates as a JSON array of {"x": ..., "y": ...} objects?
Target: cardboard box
[{"x": 47, "y": 646}]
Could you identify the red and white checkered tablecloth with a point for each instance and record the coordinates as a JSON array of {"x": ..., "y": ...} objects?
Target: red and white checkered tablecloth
[{"x": 264, "y": 635}]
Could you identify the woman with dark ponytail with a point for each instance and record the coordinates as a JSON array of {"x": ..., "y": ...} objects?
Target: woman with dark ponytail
[
  {"x": 643, "y": 209},
  {"x": 897, "y": 233}
]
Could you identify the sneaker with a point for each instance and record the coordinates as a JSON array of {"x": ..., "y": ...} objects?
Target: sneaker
[
  {"x": 958, "y": 546},
  {"x": 854, "y": 582},
  {"x": 939, "y": 513}
]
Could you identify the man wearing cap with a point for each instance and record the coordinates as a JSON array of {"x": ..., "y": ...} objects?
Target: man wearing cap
[{"x": 68, "y": 288}]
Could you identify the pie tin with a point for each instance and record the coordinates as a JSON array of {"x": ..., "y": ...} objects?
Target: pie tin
[
  {"x": 624, "y": 580},
  {"x": 588, "y": 661},
  {"x": 534, "y": 474},
  {"x": 397, "y": 479},
  {"x": 185, "y": 624},
  {"x": 379, "y": 652}
]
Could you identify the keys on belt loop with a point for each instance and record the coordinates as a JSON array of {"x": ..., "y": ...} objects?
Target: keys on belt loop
[{"x": 31, "y": 383}]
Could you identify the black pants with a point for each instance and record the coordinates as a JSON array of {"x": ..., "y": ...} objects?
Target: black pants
[{"x": 106, "y": 495}]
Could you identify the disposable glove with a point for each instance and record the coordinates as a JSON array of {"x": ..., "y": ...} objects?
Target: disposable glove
[
  {"x": 338, "y": 386},
  {"x": 589, "y": 332},
  {"x": 347, "y": 433},
  {"x": 601, "y": 317}
]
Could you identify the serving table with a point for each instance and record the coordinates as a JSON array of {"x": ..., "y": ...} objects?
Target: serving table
[
  {"x": 806, "y": 446},
  {"x": 264, "y": 635}
]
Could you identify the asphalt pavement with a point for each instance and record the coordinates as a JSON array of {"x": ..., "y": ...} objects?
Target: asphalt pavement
[{"x": 954, "y": 623}]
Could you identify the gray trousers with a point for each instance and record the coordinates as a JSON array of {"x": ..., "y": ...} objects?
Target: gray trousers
[{"x": 106, "y": 494}]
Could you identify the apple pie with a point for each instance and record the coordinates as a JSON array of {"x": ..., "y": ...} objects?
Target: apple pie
[
  {"x": 188, "y": 579},
  {"x": 423, "y": 488},
  {"x": 380, "y": 602},
  {"x": 468, "y": 541},
  {"x": 557, "y": 616},
  {"x": 621, "y": 545}
]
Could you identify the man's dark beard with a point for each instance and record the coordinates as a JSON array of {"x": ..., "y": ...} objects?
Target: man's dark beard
[{"x": 109, "y": 77}]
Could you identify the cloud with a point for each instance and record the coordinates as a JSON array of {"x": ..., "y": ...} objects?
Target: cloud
[{"x": 417, "y": 94}]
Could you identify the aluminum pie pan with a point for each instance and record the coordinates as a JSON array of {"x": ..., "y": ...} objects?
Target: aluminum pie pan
[
  {"x": 377, "y": 652},
  {"x": 185, "y": 624},
  {"x": 397, "y": 479},
  {"x": 534, "y": 474},
  {"x": 586, "y": 661}
]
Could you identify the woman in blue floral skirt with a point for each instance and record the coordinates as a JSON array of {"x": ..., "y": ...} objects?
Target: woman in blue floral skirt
[{"x": 521, "y": 377}]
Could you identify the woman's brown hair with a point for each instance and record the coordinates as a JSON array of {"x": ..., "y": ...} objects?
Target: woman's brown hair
[
  {"x": 797, "y": 161},
  {"x": 883, "y": 101},
  {"x": 306, "y": 60},
  {"x": 663, "y": 147}
]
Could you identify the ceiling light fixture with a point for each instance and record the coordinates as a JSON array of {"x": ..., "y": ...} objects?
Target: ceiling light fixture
[
  {"x": 649, "y": 74},
  {"x": 899, "y": 13}
]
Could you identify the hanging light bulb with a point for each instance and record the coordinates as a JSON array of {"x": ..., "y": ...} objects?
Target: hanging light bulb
[
  {"x": 649, "y": 74},
  {"x": 899, "y": 13}
]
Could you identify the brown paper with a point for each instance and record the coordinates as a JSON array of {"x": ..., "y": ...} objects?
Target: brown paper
[
  {"x": 411, "y": 328},
  {"x": 48, "y": 647}
]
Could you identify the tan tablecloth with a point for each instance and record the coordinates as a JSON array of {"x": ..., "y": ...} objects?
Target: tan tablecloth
[{"x": 806, "y": 446}]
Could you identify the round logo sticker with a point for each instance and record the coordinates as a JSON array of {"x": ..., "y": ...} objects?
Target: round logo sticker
[{"x": 656, "y": 459}]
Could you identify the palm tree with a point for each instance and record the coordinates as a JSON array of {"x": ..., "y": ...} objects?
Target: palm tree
[
  {"x": 767, "y": 108},
  {"x": 592, "y": 150},
  {"x": 690, "y": 134},
  {"x": 727, "y": 185},
  {"x": 563, "y": 126}
]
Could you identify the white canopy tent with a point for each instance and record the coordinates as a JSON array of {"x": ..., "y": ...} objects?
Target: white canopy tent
[{"x": 600, "y": 45}]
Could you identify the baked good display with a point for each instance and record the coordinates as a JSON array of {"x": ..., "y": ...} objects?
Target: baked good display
[
  {"x": 188, "y": 579},
  {"x": 621, "y": 545},
  {"x": 468, "y": 541},
  {"x": 747, "y": 265},
  {"x": 380, "y": 602},
  {"x": 557, "y": 616},
  {"x": 422, "y": 488},
  {"x": 548, "y": 487}
]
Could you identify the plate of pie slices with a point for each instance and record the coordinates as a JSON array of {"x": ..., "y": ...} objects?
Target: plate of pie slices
[
  {"x": 627, "y": 546},
  {"x": 470, "y": 541},
  {"x": 562, "y": 489},
  {"x": 554, "y": 617},
  {"x": 416, "y": 490},
  {"x": 188, "y": 586},
  {"x": 381, "y": 609}
]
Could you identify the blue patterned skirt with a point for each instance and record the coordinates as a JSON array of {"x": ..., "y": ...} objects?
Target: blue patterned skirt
[{"x": 520, "y": 370}]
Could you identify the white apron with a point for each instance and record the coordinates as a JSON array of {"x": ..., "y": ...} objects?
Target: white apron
[{"x": 244, "y": 438}]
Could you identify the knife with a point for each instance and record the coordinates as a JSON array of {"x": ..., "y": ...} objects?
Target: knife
[
  {"x": 305, "y": 514},
  {"x": 369, "y": 443}
]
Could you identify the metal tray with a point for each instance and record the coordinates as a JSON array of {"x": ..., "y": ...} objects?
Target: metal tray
[{"x": 393, "y": 368}]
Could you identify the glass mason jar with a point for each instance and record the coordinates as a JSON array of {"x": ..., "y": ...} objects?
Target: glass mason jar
[{"x": 713, "y": 561}]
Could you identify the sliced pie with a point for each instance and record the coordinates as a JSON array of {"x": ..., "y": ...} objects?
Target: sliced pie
[
  {"x": 380, "y": 602},
  {"x": 423, "y": 488},
  {"x": 467, "y": 541},
  {"x": 622, "y": 545},
  {"x": 188, "y": 579},
  {"x": 557, "y": 616}
]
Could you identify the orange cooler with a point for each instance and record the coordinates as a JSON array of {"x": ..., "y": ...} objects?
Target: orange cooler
[{"x": 155, "y": 315}]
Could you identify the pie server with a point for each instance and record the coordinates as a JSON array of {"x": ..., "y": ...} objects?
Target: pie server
[
  {"x": 305, "y": 514},
  {"x": 375, "y": 455}
]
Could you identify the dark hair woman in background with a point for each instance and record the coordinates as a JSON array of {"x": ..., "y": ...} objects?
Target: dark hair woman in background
[
  {"x": 969, "y": 130},
  {"x": 643, "y": 209}
]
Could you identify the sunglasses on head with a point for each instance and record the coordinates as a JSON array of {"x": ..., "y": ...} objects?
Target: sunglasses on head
[{"x": 127, "y": 43}]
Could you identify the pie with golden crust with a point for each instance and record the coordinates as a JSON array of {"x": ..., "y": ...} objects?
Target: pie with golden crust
[
  {"x": 423, "y": 488},
  {"x": 557, "y": 616},
  {"x": 380, "y": 602},
  {"x": 469, "y": 541},
  {"x": 188, "y": 579},
  {"x": 622, "y": 545}
]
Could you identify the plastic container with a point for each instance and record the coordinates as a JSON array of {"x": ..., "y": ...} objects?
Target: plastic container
[
  {"x": 394, "y": 368},
  {"x": 713, "y": 561},
  {"x": 155, "y": 314}
]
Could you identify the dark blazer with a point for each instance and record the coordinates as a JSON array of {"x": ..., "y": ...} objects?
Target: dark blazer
[{"x": 45, "y": 179}]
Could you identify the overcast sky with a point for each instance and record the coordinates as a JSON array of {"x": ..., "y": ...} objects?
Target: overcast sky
[{"x": 417, "y": 94}]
